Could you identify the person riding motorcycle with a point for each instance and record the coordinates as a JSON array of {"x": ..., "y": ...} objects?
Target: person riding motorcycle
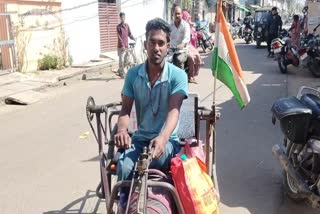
[
  {"x": 179, "y": 38},
  {"x": 247, "y": 21}
]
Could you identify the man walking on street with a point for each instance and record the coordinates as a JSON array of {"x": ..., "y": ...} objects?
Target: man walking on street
[
  {"x": 123, "y": 31},
  {"x": 179, "y": 38},
  {"x": 274, "y": 28}
]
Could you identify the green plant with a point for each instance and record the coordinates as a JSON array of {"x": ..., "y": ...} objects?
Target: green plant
[{"x": 48, "y": 62}]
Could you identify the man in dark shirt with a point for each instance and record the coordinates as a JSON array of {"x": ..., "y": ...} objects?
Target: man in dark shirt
[
  {"x": 123, "y": 31},
  {"x": 274, "y": 28}
]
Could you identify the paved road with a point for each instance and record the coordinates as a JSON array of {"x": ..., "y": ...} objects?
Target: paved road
[{"x": 47, "y": 168}]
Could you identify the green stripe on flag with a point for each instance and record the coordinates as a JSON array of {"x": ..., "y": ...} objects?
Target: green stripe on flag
[{"x": 224, "y": 74}]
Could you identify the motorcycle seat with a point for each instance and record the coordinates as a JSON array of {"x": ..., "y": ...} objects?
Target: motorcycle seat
[{"x": 313, "y": 102}]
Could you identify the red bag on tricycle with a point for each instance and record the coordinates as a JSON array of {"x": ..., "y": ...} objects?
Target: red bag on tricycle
[{"x": 195, "y": 187}]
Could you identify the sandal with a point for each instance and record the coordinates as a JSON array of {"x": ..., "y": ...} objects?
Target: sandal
[{"x": 193, "y": 81}]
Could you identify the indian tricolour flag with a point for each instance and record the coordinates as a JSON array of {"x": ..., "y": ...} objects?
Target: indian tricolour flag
[{"x": 225, "y": 62}]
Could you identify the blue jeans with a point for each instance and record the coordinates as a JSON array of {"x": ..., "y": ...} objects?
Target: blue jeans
[{"x": 130, "y": 156}]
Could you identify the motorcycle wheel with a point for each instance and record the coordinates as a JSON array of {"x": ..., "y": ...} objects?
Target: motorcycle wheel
[
  {"x": 314, "y": 67},
  {"x": 289, "y": 184},
  {"x": 282, "y": 64}
]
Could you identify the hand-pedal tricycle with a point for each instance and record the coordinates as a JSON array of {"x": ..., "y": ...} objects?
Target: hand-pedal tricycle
[{"x": 193, "y": 118}]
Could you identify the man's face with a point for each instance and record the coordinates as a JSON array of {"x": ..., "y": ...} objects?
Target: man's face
[
  {"x": 123, "y": 18},
  {"x": 274, "y": 12},
  {"x": 177, "y": 14},
  {"x": 157, "y": 46}
]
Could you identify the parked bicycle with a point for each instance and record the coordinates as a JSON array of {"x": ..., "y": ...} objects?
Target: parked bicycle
[{"x": 130, "y": 58}]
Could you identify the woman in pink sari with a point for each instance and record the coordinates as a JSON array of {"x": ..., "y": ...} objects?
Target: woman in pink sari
[
  {"x": 194, "y": 58},
  {"x": 295, "y": 31}
]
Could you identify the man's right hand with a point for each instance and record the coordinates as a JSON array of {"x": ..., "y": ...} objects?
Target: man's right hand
[{"x": 122, "y": 139}]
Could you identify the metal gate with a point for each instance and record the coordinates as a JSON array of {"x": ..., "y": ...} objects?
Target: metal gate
[
  {"x": 7, "y": 48},
  {"x": 108, "y": 21}
]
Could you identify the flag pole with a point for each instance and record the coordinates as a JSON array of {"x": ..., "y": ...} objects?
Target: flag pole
[
  {"x": 217, "y": 32},
  {"x": 213, "y": 157}
]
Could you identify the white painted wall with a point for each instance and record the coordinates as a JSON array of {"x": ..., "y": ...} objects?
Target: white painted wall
[
  {"x": 138, "y": 13},
  {"x": 81, "y": 22}
]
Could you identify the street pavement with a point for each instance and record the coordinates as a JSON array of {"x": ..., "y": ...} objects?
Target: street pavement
[{"x": 49, "y": 162}]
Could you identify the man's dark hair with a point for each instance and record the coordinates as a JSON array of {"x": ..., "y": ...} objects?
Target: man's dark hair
[
  {"x": 158, "y": 24},
  {"x": 296, "y": 17},
  {"x": 122, "y": 14},
  {"x": 274, "y": 9}
]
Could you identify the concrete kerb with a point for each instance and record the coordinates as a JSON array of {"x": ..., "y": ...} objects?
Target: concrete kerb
[{"x": 53, "y": 80}]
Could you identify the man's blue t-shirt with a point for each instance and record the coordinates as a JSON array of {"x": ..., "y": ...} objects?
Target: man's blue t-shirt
[{"x": 152, "y": 104}]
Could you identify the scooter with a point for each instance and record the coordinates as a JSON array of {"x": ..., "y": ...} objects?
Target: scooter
[{"x": 287, "y": 53}]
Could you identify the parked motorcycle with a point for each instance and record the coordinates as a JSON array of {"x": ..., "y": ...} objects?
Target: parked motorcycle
[
  {"x": 291, "y": 55},
  {"x": 248, "y": 37},
  {"x": 288, "y": 54},
  {"x": 278, "y": 43},
  {"x": 313, "y": 52},
  {"x": 299, "y": 156}
]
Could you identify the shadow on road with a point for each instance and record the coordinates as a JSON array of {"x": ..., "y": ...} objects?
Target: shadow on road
[{"x": 88, "y": 204}]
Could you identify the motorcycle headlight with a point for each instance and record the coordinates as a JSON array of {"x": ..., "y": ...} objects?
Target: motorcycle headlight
[{"x": 259, "y": 29}]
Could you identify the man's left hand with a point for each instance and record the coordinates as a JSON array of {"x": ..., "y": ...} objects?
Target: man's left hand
[{"x": 159, "y": 144}]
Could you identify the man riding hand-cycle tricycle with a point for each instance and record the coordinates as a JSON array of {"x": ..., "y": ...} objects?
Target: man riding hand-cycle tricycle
[{"x": 156, "y": 90}]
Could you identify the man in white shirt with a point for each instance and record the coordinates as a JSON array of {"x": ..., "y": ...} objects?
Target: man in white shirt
[{"x": 180, "y": 38}]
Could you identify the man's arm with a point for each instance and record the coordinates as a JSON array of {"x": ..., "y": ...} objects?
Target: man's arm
[
  {"x": 124, "y": 117},
  {"x": 122, "y": 138},
  {"x": 130, "y": 34}
]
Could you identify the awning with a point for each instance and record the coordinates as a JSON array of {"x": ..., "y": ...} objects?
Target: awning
[{"x": 242, "y": 7}]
